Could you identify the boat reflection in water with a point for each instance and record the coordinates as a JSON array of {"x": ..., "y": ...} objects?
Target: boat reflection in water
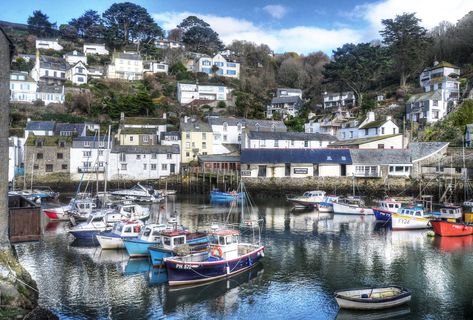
[
  {"x": 397, "y": 313},
  {"x": 136, "y": 266},
  {"x": 452, "y": 244},
  {"x": 223, "y": 293}
]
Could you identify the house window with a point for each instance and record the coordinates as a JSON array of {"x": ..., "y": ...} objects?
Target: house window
[
  {"x": 261, "y": 171},
  {"x": 123, "y": 166},
  {"x": 153, "y": 166},
  {"x": 87, "y": 144},
  {"x": 60, "y": 156},
  {"x": 224, "y": 137},
  {"x": 62, "y": 144},
  {"x": 394, "y": 130},
  {"x": 100, "y": 152},
  {"x": 351, "y": 134},
  {"x": 382, "y": 130},
  {"x": 39, "y": 156},
  {"x": 122, "y": 157},
  {"x": 131, "y": 138},
  {"x": 188, "y": 145},
  {"x": 169, "y": 156},
  {"x": 145, "y": 166},
  {"x": 239, "y": 138},
  {"x": 145, "y": 139},
  {"x": 164, "y": 166},
  {"x": 188, "y": 135},
  {"x": 204, "y": 145},
  {"x": 64, "y": 167},
  {"x": 154, "y": 156},
  {"x": 204, "y": 135},
  {"x": 239, "y": 126},
  {"x": 225, "y": 126},
  {"x": 49, "y": 168},
  {"x": 306, "y": 144},
  {"x": 435, "y": 114},
  {"x": 187, "y": 154},
  {"x": 435, "y": 103},
  {"x": 87, "y": 153},
  {"x": 80, "y": 79},
  {"x": 35, "y": 167},
  {"x": 276, "y": 143},
  {"x": 138, "y": 156},
  {"x": 381, "y": 146}
]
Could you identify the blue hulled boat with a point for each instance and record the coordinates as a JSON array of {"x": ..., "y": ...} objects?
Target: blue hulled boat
[
  {"x": 172, "y": 240},
  {"x": 225, "y": 258},
  {"x": 150, "y": 235},
  {"x": 216, "y": 195},
  {"x": 95, "y": 224}
]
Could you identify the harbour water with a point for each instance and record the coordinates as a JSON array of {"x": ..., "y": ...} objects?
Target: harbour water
[{"x": 308, "y": 256}]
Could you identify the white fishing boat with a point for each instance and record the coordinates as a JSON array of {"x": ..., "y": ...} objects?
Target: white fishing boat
[
  {"x": 133, "y": 211},
  {"x": 326, "y": 205},
  {"x": 351, "y": 205},
  {"x": 372, "y": 298},
  {"x": 97, "y": 222},
  {"x": 139, "y": 193},
  {"x": 121, "y": 230},
  {"x": 411, "y": 218},
  {"x": 308, "y": 199}
]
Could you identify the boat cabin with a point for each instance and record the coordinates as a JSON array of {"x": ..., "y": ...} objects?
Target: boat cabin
[
  {"x": 152, "y": 232},
  {"x": 224, "y": 244},
  {"x": 331, "y": 199},
  {"x": 451, "y": 212},
  {"x": 390, "y": 205},
  {"x": 127, "y": 229},
  {"x": 85, "y": 205},
  {"x": 416, "y": 212},
  {"x": 314, "y": 194},
  {"x": 171, "y": 239}
]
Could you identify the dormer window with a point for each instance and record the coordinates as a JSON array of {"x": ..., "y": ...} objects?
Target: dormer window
[
  {"x": 239, "y": 126},
  {"x": 39, "y": 143},
  {"x": 225, "y": 126},
  {"x": 62, "y": 144}
]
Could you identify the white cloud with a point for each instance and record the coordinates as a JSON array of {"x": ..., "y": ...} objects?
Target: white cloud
[
  {"x": 300, "y": 39},
  {"x": 276, "y": 11},
  {"x": 304, "y": 39},
  {"x": 431, "y": 12}
]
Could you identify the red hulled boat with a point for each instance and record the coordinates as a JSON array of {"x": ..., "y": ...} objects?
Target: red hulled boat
[{"x": 451, "y": 229}]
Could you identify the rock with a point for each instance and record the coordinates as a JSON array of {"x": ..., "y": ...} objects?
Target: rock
[{"x": 40, "y": 313}]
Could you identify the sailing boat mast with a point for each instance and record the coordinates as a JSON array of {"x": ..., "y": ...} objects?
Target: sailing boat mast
[{"x": 107, "y": 154}]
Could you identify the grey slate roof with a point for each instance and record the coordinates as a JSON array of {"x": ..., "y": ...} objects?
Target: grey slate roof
[
  {"x": 163, "y": 135},
  {"x": 70, "y": 127},
  {"x": 249, "y": 123},
  {"x": 289, "y": 99},
  {"x": 262, "y": 156},
  {"x": 161, "y": 149},
  {"x": 219, "y": 158},
  {"x": 128, "y": 56},
  {"x": 54, "y": 63},
  {"x": 420, "y": 150},
  {"x": 431, "y": 95},
  {"x": 40, "y": 125},
  {"x": 46, "y": 88},
  {"x": 195, "y": 125},
  {"x": 93, "y": 141},
  {"x": 380, "y": 156},
  {"x": 269, "y": 135}
]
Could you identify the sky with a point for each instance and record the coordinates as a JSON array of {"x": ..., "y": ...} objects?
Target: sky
[{"x": 284, "y": 25}]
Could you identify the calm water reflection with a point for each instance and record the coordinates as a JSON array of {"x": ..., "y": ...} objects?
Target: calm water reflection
[{"x": 309, "y": 255}]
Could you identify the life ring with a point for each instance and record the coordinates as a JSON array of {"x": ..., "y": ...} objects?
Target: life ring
[{"x": 217, "y": 252}]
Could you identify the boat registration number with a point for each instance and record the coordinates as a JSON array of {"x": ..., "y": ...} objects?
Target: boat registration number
[
  {"x": 186, "y": 266},
  {"x": 405, "y": 221}
]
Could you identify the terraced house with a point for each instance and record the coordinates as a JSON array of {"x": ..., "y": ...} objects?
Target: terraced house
[{"x": 196, "y": 139}]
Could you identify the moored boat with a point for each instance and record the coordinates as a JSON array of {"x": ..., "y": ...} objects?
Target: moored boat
[
  {"x": 410, "y": 218},
  {"x": 96, "y": 223},
  {"x": 351, "y": 205},
  {"x": 150, "y": 235},
  {"x": 451, "y": 229},
  {"x": 372, "y": 298},
  {"x": 172, "y": 241},
  {"x": 216, "y": 195},
  {"x": 139, "y": 193},
  {"x": 308, "y": 199},
  {"x": 121, "y": 230},
  {"x": 327, "y": 204},
  {"x": 225, "y": 258},
  {"x": 386, "y": 208}
]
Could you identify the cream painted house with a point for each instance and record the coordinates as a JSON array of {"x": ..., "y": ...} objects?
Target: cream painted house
[
  {"x": 125, "y": 66},
  {"x": 196, "y": 139}
]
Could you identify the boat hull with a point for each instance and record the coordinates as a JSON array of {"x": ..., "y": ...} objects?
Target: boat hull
[
  {"x": 325, "y": 207},
  {"x": 85, "y": 234},
  {"x": 451, "y": 229},
  {"x": 372, "y": 298},
  {"x": 56, "y": 215},
  {"x": 157, "y": 253},
  {"x": 401, "y": 222},
  {"x": 110, "y": 242},
  {"x": 381, "y": 214},
  {"x": 303, "y": 203},
  {"x": 189, "y": 273},
  {"x": 224, "y": 196},
  {"x": 351, "y": 209},
  {"x": 138, "y": 248}
]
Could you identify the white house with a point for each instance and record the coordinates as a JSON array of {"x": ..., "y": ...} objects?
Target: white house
[
  {"x": 143, "y": 162},
  {"x": 229, "y": 130},
  {"x": 49, "y": 69},
  {"x": 288, "y": 92},
  {"x": 369, "y": 127},
  {"x": 168, "y": 44},
  {"x": 39, "y": 128},
  {"x": 392, "y": 141},
  {"x": 96, "y": 72},
  {"x": 225, "y": 68},
  {"x": 171, "y": 137},
  {"x": 187, "y": 93},
  {"x": 77, "y": 73},
  {"x": 22, "y": 87},
  {"x": 441, "y": 93},
  {"x": 74, "y": 57},
  {"x": 155, "y": 67},
  {"x": 328, "y": 124},
  {"x": 50, "y": 93},
  {"x": 288, "y": 102},
  {"x": 95, "y": 48},
  {"x": 47, "y": 44},
  {"x": 339, "y": 99},
  {"x": 125, "y": 66},
  {"x": 285, "y": 140},
  {"x": 88, "y": 157}
]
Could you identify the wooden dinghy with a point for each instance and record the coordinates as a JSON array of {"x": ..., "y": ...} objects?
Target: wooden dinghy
[{"x": 372, "y": 298}]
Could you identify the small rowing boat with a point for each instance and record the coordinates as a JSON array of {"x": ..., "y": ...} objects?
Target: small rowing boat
[{"x": 372, "y": 298}]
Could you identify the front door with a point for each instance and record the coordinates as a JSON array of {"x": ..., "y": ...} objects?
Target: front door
[
  {"x": 343, "y": 170},
  {"x": 173, "y": 168}
]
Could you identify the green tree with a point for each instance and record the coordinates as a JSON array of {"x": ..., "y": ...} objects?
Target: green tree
[
  {"x": 128, "y": 22},
  {"x": 357, "y": 67},
  {"x": 68, "y": 32},
  {"x": 89, "y": 26},
  {"x": 198, "y": 36},
  {"x": 408, "y": 43},
  {"x": 40, "y": 25}
]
